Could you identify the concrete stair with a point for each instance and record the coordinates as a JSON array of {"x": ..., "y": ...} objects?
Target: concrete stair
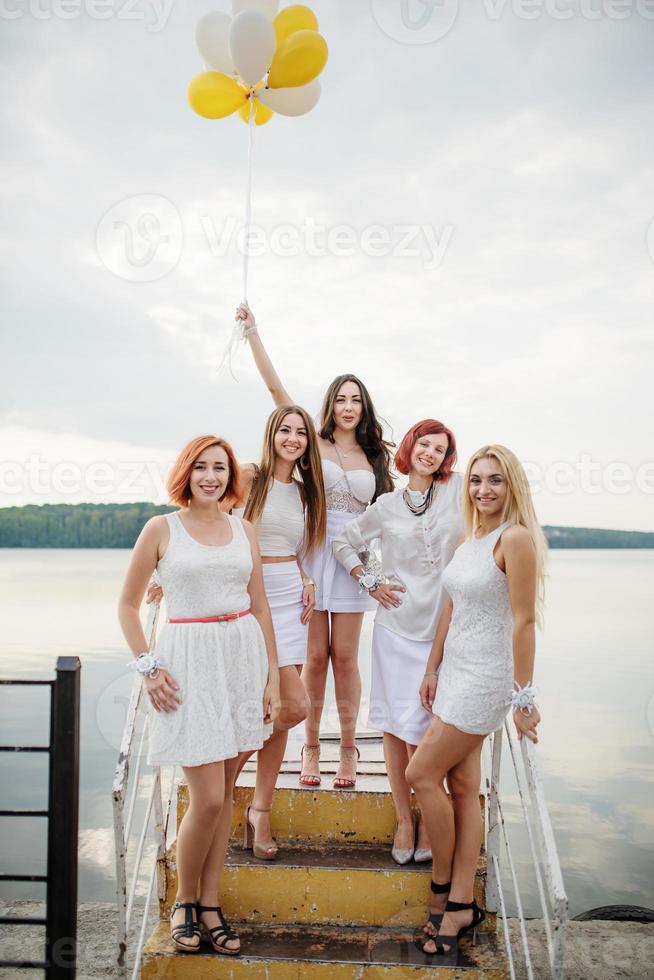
[{"x": 333, "y": 903}]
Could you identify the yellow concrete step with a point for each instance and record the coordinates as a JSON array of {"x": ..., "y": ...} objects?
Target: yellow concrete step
[
  {"x": 364, "y": 815},
  {"x": 324, "y": 954},
  {"x": 325, "y": 884}
]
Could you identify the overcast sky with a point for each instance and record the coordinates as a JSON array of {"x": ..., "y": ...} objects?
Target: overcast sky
[{"x": 464, "y": 221}]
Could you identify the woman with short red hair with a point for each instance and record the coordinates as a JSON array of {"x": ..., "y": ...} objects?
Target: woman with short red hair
[
  {"x": 213, "y": 681},
  {"x": 419, "y": 527}
]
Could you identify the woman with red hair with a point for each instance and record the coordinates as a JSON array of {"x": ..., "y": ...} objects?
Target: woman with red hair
[
  {"x": 213, "y": 683},
  {"x": 419, "y": 527}
]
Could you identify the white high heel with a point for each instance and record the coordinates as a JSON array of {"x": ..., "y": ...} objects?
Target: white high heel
[{"x": 402, "y": 855}]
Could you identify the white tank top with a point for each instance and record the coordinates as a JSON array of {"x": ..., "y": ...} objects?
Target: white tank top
[{"x": 280, "y": 528}]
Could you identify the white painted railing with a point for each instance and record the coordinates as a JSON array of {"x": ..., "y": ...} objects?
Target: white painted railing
[
  {"x": 127, "y": 786},
  {"x": 545, "y": 869}
]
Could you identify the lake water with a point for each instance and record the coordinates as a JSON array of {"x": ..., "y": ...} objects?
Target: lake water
[{"x": 594, "y": 674}]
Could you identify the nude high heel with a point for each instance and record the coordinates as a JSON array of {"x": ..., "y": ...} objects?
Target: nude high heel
[{"x": 264, "y": 852}]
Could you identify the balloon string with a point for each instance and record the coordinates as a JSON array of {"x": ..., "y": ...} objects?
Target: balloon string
[{"x": 237, "y": 332}]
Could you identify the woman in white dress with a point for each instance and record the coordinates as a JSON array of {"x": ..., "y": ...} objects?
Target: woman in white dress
[
  {"x": 418, "y": 527},
  {"x": 356, "y": 467},
  {"x": 213, "y": 683},
  {"x": 284, "y": 499},
  {"x": 482, "y": 662}
]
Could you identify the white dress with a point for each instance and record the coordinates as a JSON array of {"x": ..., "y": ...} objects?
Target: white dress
[
  {"x": 476, "y": 675},
  {"x": 347, "y": 495},
  {"x": 280, "y": 531},
  {"x": 221, "y": 668},
  {"x": 414, "y": 550}
]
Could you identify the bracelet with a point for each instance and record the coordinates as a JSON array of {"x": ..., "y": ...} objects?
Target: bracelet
[
  {"x": 146, "y": 664},
  {"x": 306, "y": 582},
  {"x": 368, "y": 582},
  {"x": 431, "y": 673},
  {"x": 246, "y": 333},
  {"x": 523, "y": 698}
]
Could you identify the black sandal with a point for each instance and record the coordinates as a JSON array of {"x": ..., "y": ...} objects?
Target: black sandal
[
  {"x": 435, "y": 918},
  {"x": 188, "y": 929},
  {"x": 220, "y": 935},
  {"x": 478, "y": 916}
]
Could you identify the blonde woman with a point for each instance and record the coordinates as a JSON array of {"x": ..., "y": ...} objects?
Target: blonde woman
[
  {"x": 356, "y": 465},
  {"x": 481, "y": 663}
]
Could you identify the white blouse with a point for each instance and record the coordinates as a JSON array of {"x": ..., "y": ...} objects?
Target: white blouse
[
  {"x": 414, "y": 552},
  {"x": 280, "y": 529}
]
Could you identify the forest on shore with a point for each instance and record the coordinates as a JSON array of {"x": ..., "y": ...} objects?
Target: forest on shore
[{"x": 119, "y": 525}]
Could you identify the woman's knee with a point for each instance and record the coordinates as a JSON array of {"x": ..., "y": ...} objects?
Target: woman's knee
[
  {"x": 292, "y": 713},
  {"x": 463, "y": 785},
  {"x": 344, "y": 659},
  {"x": 208, "y": 805}
]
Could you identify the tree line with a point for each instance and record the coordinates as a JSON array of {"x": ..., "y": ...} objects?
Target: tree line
[{"x": 119, "y": 525}]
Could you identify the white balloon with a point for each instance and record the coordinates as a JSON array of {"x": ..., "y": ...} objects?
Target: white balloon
[
  {"x": 252, "y": 43},
  {"x": 268, "y": 8},
  {"x": 291, "y": 101},
  {"x": 212, "y": 39}
]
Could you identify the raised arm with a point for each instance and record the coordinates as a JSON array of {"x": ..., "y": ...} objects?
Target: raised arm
[{"x": 266, "y": 368}]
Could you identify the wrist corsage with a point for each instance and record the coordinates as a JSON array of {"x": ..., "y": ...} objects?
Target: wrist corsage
[
  {"x": 147, "y": 664},
  {"x": 523, "y": 698}
]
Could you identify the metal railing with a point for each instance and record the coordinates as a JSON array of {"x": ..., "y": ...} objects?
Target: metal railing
[
  {"x": 60, "y": 920},
  {"x": 126, "y": 790},
  {"x": 547, "y": 875}
]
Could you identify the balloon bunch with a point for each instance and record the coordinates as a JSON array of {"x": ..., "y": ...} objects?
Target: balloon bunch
[{"x": 261, "y": 61}]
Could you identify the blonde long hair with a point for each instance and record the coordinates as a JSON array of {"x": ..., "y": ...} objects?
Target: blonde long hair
[
  {"x": 518, "y": 508},
  {"x": 307, "y": 473}
]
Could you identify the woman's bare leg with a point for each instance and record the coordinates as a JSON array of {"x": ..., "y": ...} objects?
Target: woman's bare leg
[
  {"x": 196, "y": 832},
  {"x": 215, "y": 860},
  {"x": 314, "y": 678},
  {"x": 442, "y": 748},
  {"x": 344, "y": 654},
  {"x": 295, "y": 708},
  {"x": 423, "y": 837},
  {"x": 396, "y": 756}
]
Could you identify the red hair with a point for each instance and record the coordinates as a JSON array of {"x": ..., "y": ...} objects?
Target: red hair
[
  {"x": 428, "y": 427},
  {"x": 179, "y": 478}
]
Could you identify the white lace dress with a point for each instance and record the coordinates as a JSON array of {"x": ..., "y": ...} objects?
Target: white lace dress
[
  {"x": 476, "y": 675},
  {"x": 221, "y": 668},
  {"x": 347, "y": 495}
]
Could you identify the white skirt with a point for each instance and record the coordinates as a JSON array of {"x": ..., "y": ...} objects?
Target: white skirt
[
  {"x": 222, "y": 670},
  {"x": 283, "y": 584},
  {"x": 398, "y": 667},
  {"x": 336, "y": 590}
]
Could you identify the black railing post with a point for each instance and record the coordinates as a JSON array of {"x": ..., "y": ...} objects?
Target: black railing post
[{"x": 61, "y": 930}]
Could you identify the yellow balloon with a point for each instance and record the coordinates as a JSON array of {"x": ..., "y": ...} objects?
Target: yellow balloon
[
  {"x": 214, "y": 95},
  {"x": 262, "y": 114},
  {"x": 292, "y": 19},
  {"x": 298, "y": 60}
]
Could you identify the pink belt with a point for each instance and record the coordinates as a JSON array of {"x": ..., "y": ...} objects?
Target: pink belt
[{"x": 214, "y": 619}]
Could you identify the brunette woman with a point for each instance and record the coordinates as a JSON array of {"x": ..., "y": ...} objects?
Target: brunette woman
[
  {"x": 356, "y": 468},
  {"x": 482, "y": 662},
  {"x": 285, "y": 499},
  {"x": 418, "y": 527},
  {"x": 213, "y": 682}
]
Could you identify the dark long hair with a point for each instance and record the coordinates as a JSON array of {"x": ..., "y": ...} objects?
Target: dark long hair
[
  {"x": 369, "y": 432},
  {"x": 307, "y": 474}
]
